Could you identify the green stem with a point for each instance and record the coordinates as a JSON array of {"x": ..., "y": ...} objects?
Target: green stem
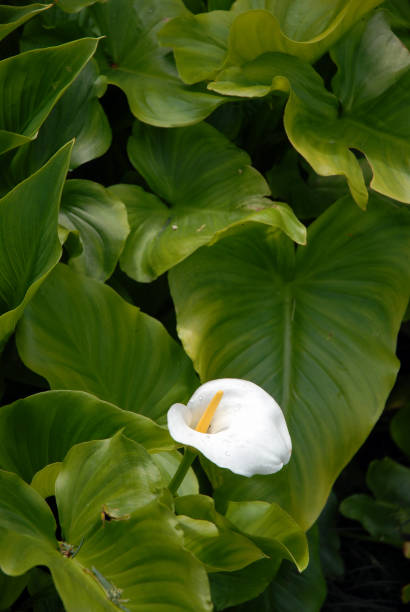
[{"x": 180, "y": 474}]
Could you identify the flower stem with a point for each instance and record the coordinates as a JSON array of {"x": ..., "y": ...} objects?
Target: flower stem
[{"x": 183, "y": 468}]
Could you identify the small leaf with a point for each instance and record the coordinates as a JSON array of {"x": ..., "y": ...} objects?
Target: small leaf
[{"x": 101, "y": 222}]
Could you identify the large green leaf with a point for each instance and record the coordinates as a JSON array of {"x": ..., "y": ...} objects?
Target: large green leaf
[
  {"x": 205, "y": 43},
  {"x": 40, "y": 429},
  {"x": 11, "y": 17},
  {"x": 374, "y": 115},
  {"x": 139, "y": 551},
  {"x": 29, "y": 245},
  {"x": 80, "y": 334},
  {"x": 101, "y": 223},
  {"x": 207, "y": 187},
  {"x": 30, "y": 88},
  {"x": 78, "y": 114},
  {"x": 143, "y": 69},
  {"x": 316, "y": 329}
]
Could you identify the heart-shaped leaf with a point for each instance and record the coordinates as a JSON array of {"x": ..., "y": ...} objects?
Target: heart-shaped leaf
[
  {"x": 316, "y": 329},
  {"x": 29, "y": 245},
  {"x": 81, "y": 335}
]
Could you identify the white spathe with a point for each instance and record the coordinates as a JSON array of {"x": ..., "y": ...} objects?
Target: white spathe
[{"x": 248, "y": 433}]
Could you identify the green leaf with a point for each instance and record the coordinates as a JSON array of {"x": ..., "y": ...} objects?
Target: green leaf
[
  {"x": 143, "y": 69},
  {"x": 374, "y": 120},
  {"x": 400, "y": 429},
  {"x": 386, "y": 516},
  {"x": 132, "y": 562},
  {"x": 10, "y": 589},
  {"x": 168, "y": 463},
  {"x": 80, "y": 334},
  {"x": 73, "y": 6},
  {"x": 44, "y": 480},
  {"x": 293, "y": 592},
  {"x": 40, "y": 429},
  {"x": 26, "y": 102},
  {"x": 316, "y": 329},
  {"x": 203, "y": 44},
  {"x": 209, "y": 536},
  {"x": 101, "y": 223},
  {"x": 78, "y": 114},
  {"x": 272, "y": 529},
  {"x": 11, "y": 17},
  {"x": 29, "y": 245},
  {"x": 232, "y": 588},
  {"x": 91, "y": 486},
  {"x": 197, "y": 208},
  {"x": 294, "y": 28}
]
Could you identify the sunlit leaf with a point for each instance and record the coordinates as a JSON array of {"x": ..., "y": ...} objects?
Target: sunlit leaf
[{"x": 207, "y": 187}]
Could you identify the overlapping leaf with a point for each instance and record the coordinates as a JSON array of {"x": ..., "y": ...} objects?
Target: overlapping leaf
[
  {"x": 135, "y": 561},
  {"x": 143, "y": 69},
  {"x": 40, "y": 429},
  {"x": 207, "y": 187},
  {"x": 29, "y": 88},
  {"x": 79, "y": 334},
  {"x": 374, "y": 118},
  {"x": 204, "y": 44},
  {"x": 317, "y": 330},
  {"x": 101, "y": 223},
  {"x": 29, "y": 245},
  {"x": 11, "y": 17}
]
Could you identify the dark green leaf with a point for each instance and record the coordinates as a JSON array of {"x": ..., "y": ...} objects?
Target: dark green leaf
[
  {"x": 316, "y": 329},
  {"x": 80, "y": 334}
]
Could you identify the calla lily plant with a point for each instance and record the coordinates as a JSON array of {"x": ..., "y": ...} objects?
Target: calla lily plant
[{"x": 235, "y": 424}]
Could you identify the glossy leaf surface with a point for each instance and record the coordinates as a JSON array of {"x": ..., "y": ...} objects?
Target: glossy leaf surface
[
  {"x": 207, "y": 187},
  {"x": 29, "y": 245},
  {"x": 101, "y": 223},
  {"x": 146, "y": 532},
  {"x": 132, "y": 363},
  {"x": 316, "y": 329},
  {"x": 374, "y": 118},
  {"x": 37, "y": 90},
  {"x": 11, "y": 17},
  {"x": 39, "y": 430},
  {"x": 143, "y": 69}
]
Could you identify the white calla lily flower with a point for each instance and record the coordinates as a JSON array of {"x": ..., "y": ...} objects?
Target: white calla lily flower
[{"x": 235, "y": 424}]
